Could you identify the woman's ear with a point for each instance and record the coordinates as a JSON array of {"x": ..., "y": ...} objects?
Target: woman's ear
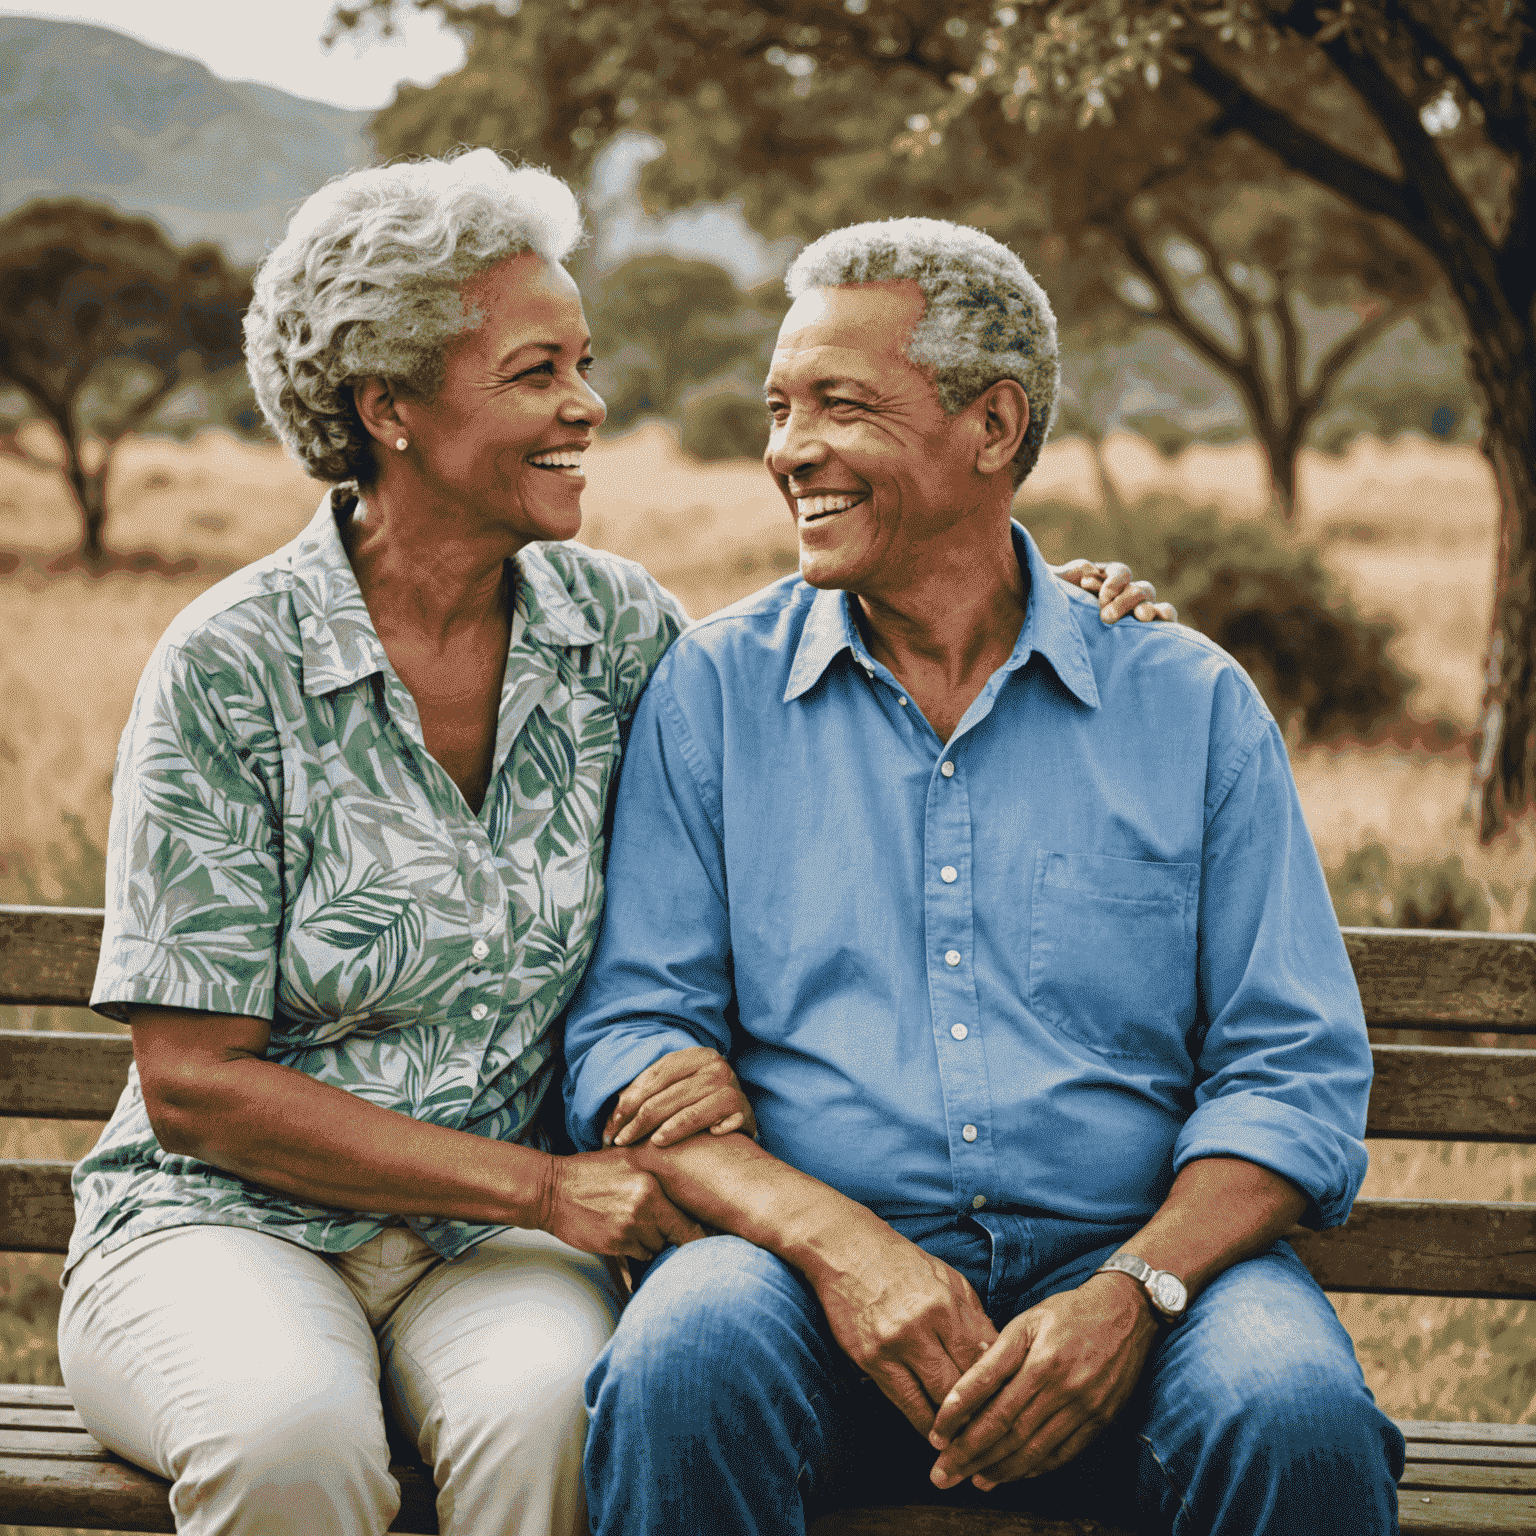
[
  {"x": 376, "y": 409},
  {"x": 1004, "y": 423}
]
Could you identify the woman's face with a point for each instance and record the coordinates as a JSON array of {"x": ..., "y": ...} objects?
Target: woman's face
[{"x": 501, "y": 442}]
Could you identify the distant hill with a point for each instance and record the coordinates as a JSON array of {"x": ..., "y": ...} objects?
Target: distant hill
[{"x": 87, "y": 112}]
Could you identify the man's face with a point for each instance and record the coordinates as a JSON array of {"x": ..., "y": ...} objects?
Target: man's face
[{"x": 870, "y": 465}]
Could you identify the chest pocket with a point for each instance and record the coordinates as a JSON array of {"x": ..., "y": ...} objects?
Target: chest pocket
[{"x": 1112, "y": 954}]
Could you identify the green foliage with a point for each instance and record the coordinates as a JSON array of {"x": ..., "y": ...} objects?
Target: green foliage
[
  {"x": 723, "y": 424},
  {"x": 1371, "y": 890},
  {"x": 1261, "y": 595},
  {"x": 663, "y": 326}
]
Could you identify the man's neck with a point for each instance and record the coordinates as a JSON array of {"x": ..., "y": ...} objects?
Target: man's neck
[{"x": 951, "y": 626}]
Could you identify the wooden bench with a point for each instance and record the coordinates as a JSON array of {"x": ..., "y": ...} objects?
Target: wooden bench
[{"x": 1461, "y": 1478}]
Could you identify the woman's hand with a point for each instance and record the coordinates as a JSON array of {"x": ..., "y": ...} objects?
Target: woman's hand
[
  {"x": 682, "y": 1094},
  {"x": 597, "y": 1202},
  {"x": 1118, "y": 593}
]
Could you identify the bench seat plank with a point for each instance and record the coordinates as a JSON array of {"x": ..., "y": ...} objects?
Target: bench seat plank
[
  {"x": 1458, "y": 1432},
  {"x": 1466, "y": 1514}
]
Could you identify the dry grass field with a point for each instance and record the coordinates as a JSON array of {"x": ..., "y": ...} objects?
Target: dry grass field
[{"x": 1409, "y": 528}]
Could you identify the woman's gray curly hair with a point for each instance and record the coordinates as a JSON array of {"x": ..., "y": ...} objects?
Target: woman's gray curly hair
[
  {"x": 365, "y": 284},
  {"x": 985, "y": 317}
]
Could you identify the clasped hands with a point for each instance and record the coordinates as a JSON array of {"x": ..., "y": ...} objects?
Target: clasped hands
[{"x": 995, "y": 1406}]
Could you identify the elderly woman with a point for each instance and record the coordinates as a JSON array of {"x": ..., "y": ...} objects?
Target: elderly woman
[{"x": 355, "y": 875}]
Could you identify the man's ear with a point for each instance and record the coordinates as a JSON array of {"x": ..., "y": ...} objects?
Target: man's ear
[
  {"x": 376, "y": 409},
  {"x": 1005, "y": 420}
]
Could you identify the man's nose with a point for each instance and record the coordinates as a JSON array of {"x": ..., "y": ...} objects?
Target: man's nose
[{"x": 794, "y": 447}]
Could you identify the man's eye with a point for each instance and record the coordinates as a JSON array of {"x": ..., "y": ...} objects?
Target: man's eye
[{"x": 586, "y": 365}]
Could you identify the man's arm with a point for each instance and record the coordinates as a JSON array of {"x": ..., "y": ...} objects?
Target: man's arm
[
  {"x": 911, "y": 1323},
  {"x": 660, "y": 983},
  {"x": 1282, "y": 1074}
]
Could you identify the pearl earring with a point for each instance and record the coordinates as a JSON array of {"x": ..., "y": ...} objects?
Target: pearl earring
[{"x": 401, "y": 444}]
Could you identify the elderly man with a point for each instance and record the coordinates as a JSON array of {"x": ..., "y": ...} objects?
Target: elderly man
[{"x": 1012, "y": 928}]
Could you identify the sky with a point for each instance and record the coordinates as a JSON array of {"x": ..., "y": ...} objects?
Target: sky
[{"x": 282, "y": 48}]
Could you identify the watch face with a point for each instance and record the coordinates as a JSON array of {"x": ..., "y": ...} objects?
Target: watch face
[{"x": 1168, "y": 1292}]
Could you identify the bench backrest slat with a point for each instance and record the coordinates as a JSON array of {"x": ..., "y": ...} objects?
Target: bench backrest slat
[
  {"x": 48, "y": 954},
  {"x": 62, "y": 1076},
  {"x": 1409, "y": 978},
  {"x": 1421, "y": 1092}
]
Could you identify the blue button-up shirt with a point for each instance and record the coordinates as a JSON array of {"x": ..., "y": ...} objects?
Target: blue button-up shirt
[{"x": 1039, "y": 966}]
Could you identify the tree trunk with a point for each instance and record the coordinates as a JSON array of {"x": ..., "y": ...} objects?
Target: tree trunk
[
  {"x": 1504, "y": 780},
  {"x": 1279, "y": 447},
  {"x": 89, "y": 490}
]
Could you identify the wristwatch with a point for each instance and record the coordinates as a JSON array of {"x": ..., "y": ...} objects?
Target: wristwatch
[{"x": 1166, "y": 1292}]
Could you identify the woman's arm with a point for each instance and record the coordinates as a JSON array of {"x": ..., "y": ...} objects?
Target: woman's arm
[{"x": 210, "y": 1094}]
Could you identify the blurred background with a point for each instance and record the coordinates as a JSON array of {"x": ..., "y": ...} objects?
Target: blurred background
[{"x": 1297, "y": 343}]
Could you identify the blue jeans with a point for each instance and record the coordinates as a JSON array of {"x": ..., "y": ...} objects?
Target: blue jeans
[{"x": 722, "y": 1404}]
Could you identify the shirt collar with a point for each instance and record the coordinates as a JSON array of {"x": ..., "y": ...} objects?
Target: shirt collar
[
  {"x": 1049, "y": 628},
  {"x": 340, "y": 644}
]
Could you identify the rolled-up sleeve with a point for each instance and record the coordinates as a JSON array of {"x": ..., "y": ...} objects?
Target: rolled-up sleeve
[
  {"x": 194, "y": 893},
  {"x": 1284, "y": 1066},
  {"x": 660, "y": 978}
]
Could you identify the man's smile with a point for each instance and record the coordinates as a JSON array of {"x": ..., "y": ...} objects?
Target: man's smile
[{"x": 816, "y": 509}]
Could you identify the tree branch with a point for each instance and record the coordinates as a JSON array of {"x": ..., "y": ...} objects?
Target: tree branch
[
  {"x": 1304, "y": 151},
  {"x": 1178, "y": 319},
  {"x": 1338, "y": 357},
  {"x": 1506, "y": 129},
  {"x": 1290, "y": 347}
]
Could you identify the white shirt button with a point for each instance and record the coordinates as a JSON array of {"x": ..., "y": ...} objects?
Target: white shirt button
[
  {"x": 902, "y": 701},
  {"x": 952, "y": 957},
  {"x": 478, "y": 1012},
  {"x": 947, "y": 768},
  {"x": 949, "y": 874},
  {"x": 969, "y": 1132},
  {"x": 959, "y": 1031},
  {"x": 977, "y": 1201},
  {"x": 479, "y": 949}
]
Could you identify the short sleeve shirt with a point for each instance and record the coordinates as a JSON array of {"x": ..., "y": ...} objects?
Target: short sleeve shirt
[{"x": 282, "y": 845}]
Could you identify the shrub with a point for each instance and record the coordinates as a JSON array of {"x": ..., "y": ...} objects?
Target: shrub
[
  {"x": 724, "y": 424},
  {"x": 1261, "y": 595},
  {"x": 1370, "y": 890}
]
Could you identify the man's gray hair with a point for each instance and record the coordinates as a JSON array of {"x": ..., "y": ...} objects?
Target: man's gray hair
[
  {"x": 985, "y": 317},
  {"x": 366, "y": 284}
]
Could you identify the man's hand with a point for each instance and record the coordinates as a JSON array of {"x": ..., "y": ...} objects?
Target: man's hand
[
  {"x": 1118, "y": 593},
  {"x": 674, "y": 1098},
  {"x": 912, "y": 1324},
  {"x": 1056, "y": 1376},
  {"x": 598, "y": 1202}
]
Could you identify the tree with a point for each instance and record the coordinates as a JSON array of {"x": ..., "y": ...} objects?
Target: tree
[
  {"x": 102, "y": 318},
  {"x": 662, "y": 325},
  {"x": 1231, "y": 261},
  {"x": 1418, "y": 113}
]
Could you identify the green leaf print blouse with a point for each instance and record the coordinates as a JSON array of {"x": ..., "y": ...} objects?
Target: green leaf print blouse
[{"x": 283, "y": 846}]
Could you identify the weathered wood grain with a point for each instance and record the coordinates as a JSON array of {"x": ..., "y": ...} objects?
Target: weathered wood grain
[
  {"x": 1466, "y": 1514},
  {"x": 37, "y": 1211},
  {"x": 1409, "y": 978},
  {"x": 62, "y": 1076},
  {"x": 1455, "y": 1432},
  {"x": 1452, "y": 1093},
  {"x": 48, "y": 954},
  {"x": 1427, "y": 1248},
  {"x": 1413, "y": 978},
  {"x": 1423, "y": 1093}
]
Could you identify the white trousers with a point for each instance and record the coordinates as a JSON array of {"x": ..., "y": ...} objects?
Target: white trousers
[{"x": 249, "y": 1370}]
